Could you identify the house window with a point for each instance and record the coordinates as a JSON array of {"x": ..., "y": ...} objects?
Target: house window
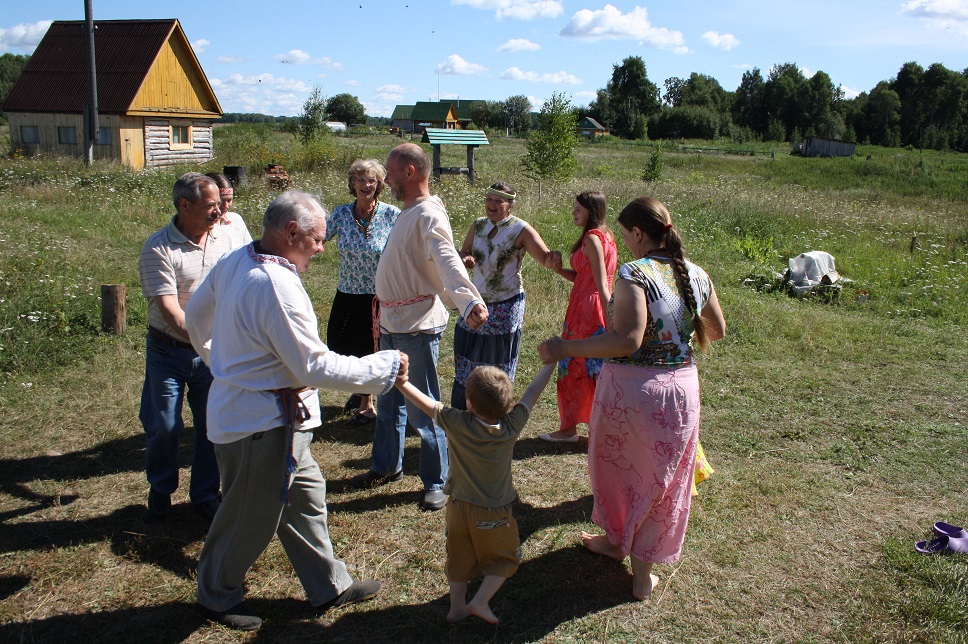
[
  {"x": 67, "y": 135},
  {"x": 180, "y": 137},
  {"x": 103, "y": 136},
  {"x": 29, "y": 134}
]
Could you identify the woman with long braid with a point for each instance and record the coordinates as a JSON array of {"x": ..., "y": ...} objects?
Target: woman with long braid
[{"x": 644, "y": 426}]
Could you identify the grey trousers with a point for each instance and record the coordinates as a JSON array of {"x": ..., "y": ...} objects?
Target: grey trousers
[{"x": 253, "y": 472}]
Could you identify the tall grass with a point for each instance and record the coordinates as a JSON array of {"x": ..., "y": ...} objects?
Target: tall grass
[{"x": 836, "y": 428}]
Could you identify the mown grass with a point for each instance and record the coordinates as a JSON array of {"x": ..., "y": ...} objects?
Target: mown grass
[{"x": 837, "y": 429}]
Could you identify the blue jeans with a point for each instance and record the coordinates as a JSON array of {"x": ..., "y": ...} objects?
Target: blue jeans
[
  {"x": 169, "y": 371},
  {"x": 393, "y": 411}
]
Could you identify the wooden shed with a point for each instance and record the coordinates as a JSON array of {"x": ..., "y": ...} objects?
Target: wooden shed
[
  {"x": 817, "y": 146},
  {"x": 155, "y": 105}
]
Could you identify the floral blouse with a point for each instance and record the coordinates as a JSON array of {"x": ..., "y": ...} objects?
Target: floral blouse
[
  {"x": 666, "y": 342},
  {"x": 359, "y": 253}
]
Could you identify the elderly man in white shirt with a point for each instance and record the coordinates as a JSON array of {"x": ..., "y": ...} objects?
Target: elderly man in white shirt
[
  {"x": 419, "y": 275},
  {"x": 253, "y": 323}
]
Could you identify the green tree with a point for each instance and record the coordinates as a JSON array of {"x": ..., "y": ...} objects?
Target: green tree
[
  {"x": 313, "y": 115},
  {"x": 517, "y": 114},
  {"x": 10, "y": 67},
  {"x": 551, "y": 148},
  {"x": 632, "y": 98},
  {"x": 749, "y": 103},
  {"x": 346, "y": 108}
]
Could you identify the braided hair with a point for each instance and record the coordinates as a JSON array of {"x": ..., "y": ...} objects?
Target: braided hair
[
  {"x": 652, "y": 217},
  {"x": 594, "y": 202}
]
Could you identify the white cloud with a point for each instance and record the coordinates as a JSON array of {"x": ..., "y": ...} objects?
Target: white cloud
[
  {"x": 299, "y": 57},
  {"x": 611, "y": 24},
  {"x": 940, "y": 14},
  {"x": 231, "y": 59},
  {"x": 261, "y": 93},
  {"x": 586, "y": 95},
  {"x": 517, "y": 9},
  {"x": 353, "y": 83},
  {"x": 24, "y": 37},
  {"x": 849, "y": 92},
  {"x": 720, "y": 41},
  {"x": 557, "y": 78},
  {"x": 519, "y": 44},
  {"x": 389, "y": 93},
  {"x": 200, "y": 45},
  {"x": 938, "y": 9},
  {"x": 457, "y": 66}
]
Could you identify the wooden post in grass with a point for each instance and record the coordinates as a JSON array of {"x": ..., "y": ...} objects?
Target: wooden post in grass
[{"x": 113, "y": 316}]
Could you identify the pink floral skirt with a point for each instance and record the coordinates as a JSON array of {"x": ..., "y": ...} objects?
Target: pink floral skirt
[{"x": 642, "y": 456}]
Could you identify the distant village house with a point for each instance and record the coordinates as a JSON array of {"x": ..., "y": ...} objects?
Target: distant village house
[
  {"x": 590, "y": 128},
  {"x": 155, "y": 105}
]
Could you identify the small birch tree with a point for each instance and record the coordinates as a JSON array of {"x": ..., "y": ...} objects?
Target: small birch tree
[{"x": 551, "y": 148}]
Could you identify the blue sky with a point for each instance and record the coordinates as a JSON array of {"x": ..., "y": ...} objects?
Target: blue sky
[{"x": 266, "y": 56}]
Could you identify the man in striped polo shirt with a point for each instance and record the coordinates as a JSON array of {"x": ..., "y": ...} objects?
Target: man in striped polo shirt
[{"x": 173, "y": 263}]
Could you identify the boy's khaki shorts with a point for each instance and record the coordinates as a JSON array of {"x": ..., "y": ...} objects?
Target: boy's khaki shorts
[{"x": 480, "y": 541}]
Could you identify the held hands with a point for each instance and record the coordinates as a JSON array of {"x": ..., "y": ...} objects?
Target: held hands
[
  {"x": 552, "y": 350},
  {"x": 554, "y": 260},
  {"x": 403, "y": 374},
  {"x": 477, "y": 317},
  {"x": 469, "y": 261}
]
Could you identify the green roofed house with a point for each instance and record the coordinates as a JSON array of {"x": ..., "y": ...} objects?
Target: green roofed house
[
  {"x": 447, "y": 115},
  {"x": 401, "y": 118},
  {"x": 590, "y": 128}
]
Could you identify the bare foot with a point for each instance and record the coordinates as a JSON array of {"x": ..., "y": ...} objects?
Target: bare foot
[
  {"x": 599, "y": 544},
  {"x": 484, "y": 612},
  {"x": 643, "y": 593},
  {"x": 457, "y": 614}
]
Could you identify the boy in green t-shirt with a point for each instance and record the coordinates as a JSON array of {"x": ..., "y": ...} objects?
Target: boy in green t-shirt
[{"x": 482, "y": 535}]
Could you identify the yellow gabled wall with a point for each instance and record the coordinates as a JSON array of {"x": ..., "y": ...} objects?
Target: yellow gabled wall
[{"x": 173, "y": 82}]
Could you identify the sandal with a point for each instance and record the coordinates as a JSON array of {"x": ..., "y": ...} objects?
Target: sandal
[
  {"x": 352, "y": 403},
  {"x": 943, "y": 545},
  {"x": 360, "y": 420}
]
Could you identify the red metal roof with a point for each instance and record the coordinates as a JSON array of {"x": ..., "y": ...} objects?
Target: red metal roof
[{"x": 55, "y": 78}]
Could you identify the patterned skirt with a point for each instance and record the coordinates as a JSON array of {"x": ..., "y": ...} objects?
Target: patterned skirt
[
  {"x": 642, "y": 457},
  {"x": 496, "y": 343}
]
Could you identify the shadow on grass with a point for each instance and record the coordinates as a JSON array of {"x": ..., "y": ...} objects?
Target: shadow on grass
[
  {"x": 547, "y": 592},
  {"x": 166, "y": 623},
  {"x": 531, "y": 605},
  {"x": 111, "y": 457},
  {"x": 131, "y": 532}
]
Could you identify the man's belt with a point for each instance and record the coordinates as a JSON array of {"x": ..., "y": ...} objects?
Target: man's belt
[{"x": 167, "y": 339}]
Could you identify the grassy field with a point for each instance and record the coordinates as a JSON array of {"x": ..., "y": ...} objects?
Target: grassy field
[{"x": 837, "y": 427}]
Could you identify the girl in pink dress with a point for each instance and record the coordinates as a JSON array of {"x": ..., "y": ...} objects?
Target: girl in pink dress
[
  {"x": 593, "y": 260},
  {"x": 644, "y": 427}
]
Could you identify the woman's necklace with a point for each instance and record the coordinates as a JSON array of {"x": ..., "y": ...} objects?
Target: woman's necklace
[{"x": 364, "y": 224}]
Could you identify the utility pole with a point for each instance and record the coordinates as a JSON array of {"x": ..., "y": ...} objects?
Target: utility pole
[{"x": 90, "y": 111}]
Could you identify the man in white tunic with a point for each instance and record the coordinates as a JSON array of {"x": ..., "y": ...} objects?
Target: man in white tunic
[
  {"x": 253, "y": 323},
  {"x": 419, "y": 275}
]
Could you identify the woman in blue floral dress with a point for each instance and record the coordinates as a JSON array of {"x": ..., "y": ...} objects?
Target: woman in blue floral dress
[{"x": 361, "y": 229}]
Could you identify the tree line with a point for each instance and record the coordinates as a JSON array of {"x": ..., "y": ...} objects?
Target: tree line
[{"x": 923, "y": 108}]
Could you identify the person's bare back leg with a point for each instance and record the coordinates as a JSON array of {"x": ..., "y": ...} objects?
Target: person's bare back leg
[
  {"x": 643, "y": 581},
  {"x": 458, "y": 602}
]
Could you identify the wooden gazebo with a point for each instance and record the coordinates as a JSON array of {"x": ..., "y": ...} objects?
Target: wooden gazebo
[{"x": 437, "y": 137}]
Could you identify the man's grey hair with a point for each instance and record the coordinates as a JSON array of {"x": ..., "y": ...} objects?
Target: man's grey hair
[
  {"x": 293, "y": 205},
  {"x": 189, "y": 186}
]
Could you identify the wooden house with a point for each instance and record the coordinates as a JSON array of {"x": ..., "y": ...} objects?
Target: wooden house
[
  {"x": 590, "y": 128},
  {"x": 434, "y": 114},
  {"x": 155, "y": 105}
]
